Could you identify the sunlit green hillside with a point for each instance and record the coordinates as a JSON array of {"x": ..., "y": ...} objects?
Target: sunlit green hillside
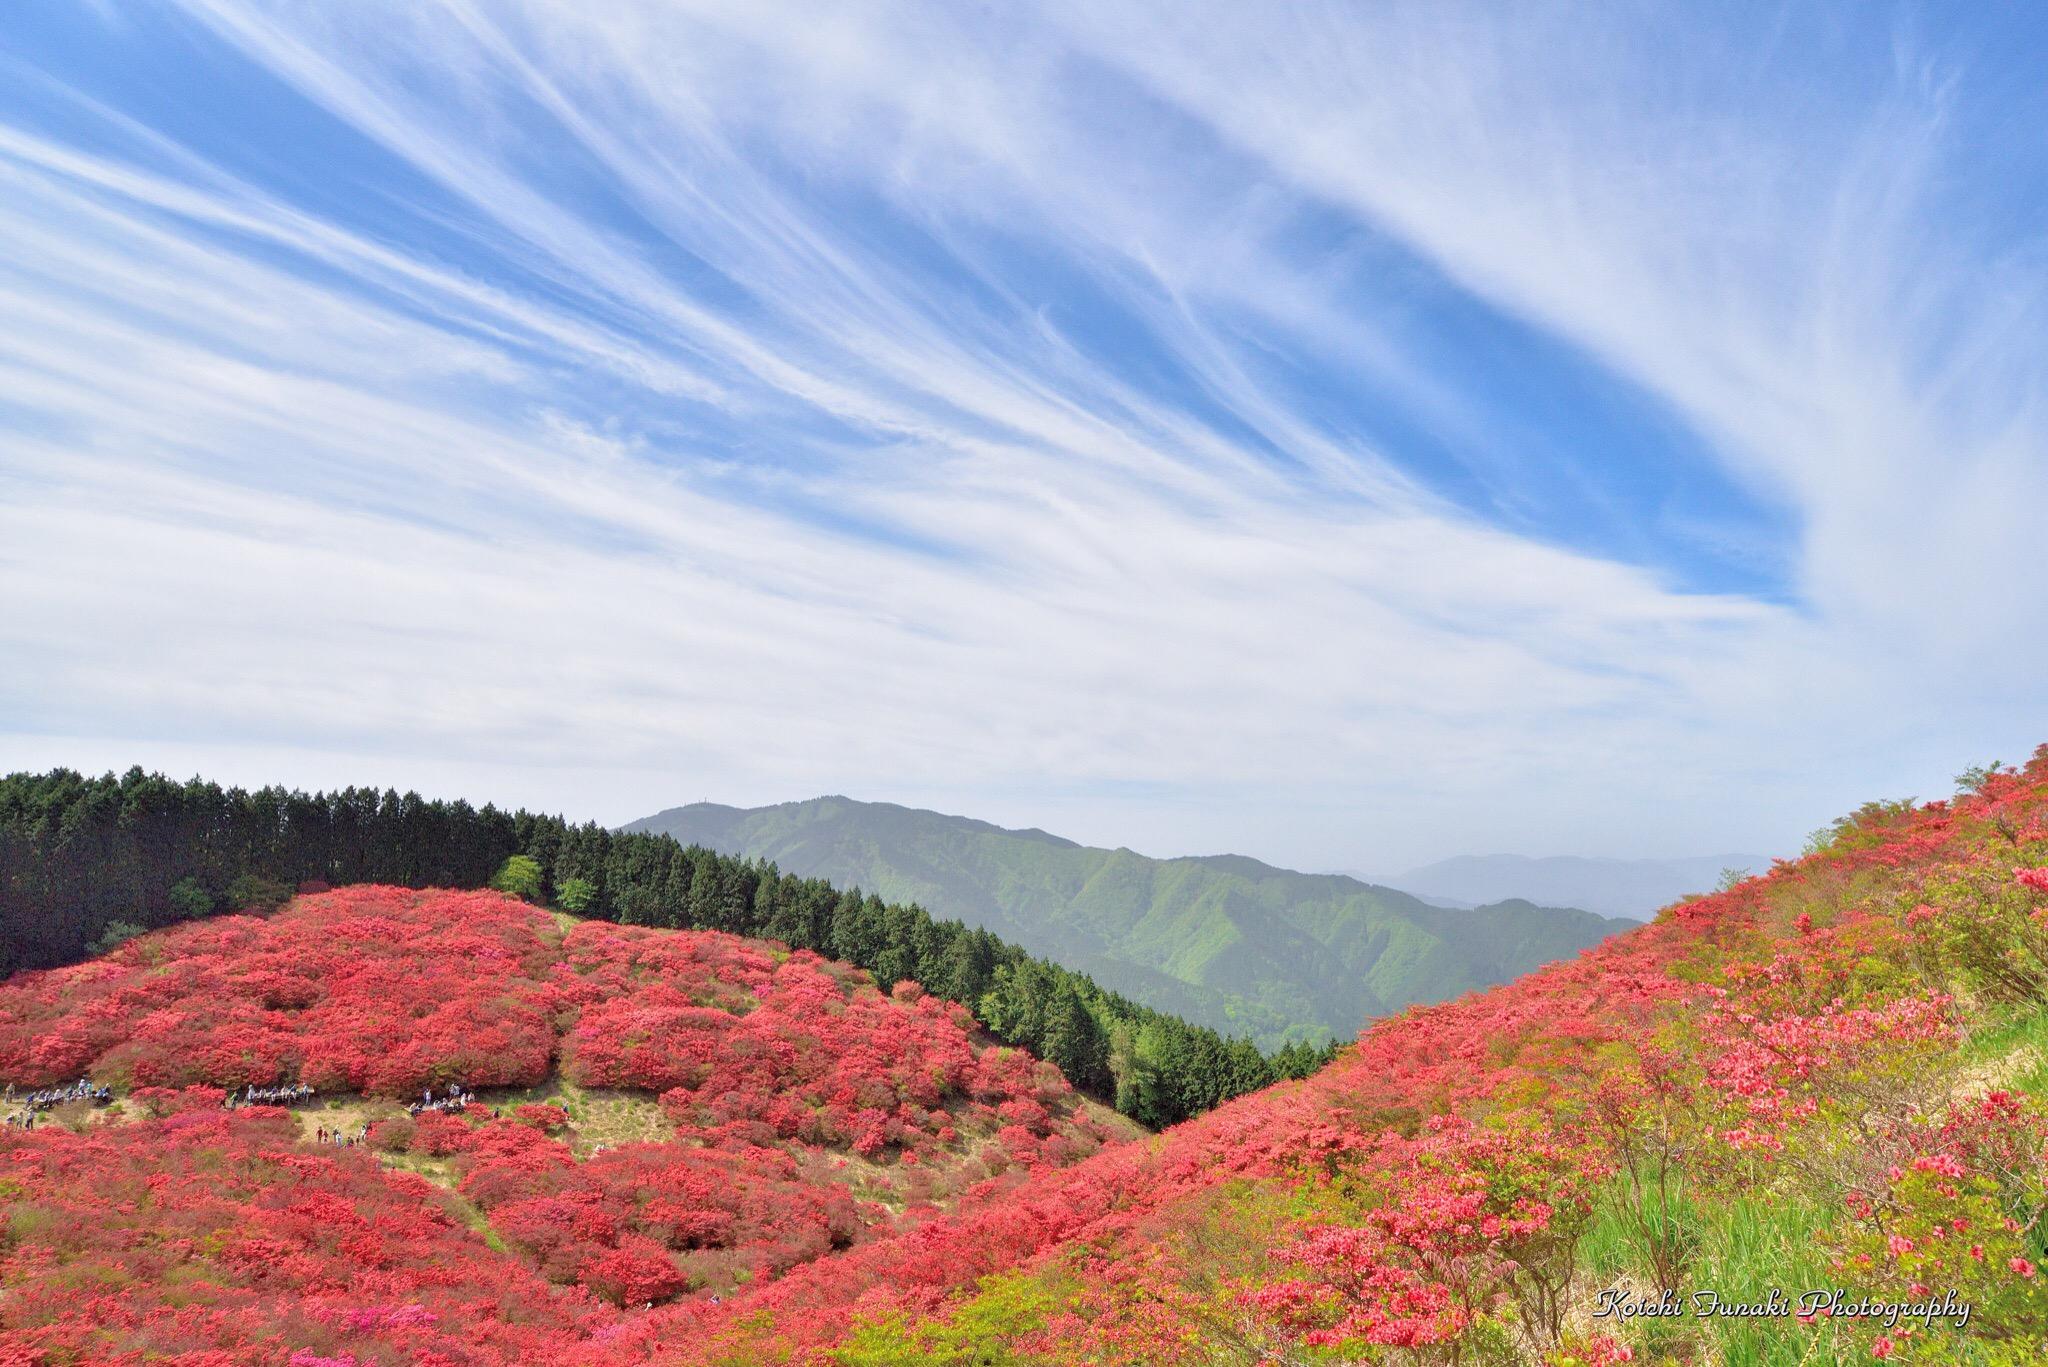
[{"x": 1224, "y": 940}]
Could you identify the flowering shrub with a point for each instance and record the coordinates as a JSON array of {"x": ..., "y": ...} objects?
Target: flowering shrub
[
  {"x": 1594, "y": 1350},
  {"x": 1463, "y": 1226},
  {"x": 542, "y": 1117},
  {"x": 1776, "y": 1071},
  {"x": 1961, "y": 1212},
  {"x": 1984, "y": 926}
]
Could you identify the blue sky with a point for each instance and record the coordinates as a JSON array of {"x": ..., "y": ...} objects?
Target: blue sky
[{"x": 1350, "y": 435}]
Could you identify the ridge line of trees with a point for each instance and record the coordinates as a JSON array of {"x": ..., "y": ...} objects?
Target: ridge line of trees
[{"x": 86, "y": 861}]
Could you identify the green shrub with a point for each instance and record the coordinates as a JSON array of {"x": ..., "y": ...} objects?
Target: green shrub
[
  {"x": 519, "y": 876},
  {"x": 190, "y": 901},
  {"x": 253, "y": 892},
  {"x": 115, "y": 935}
]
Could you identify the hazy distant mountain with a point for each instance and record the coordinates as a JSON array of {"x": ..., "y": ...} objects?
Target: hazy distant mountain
[
  {"x": 1223, "y": 940},
  {"x": 1636, "y": 888}
]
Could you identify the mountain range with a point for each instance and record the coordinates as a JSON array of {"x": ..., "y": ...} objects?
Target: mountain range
[
  {"x": 1634, "y": 888},
  {"x": 1222, "y": 940}
]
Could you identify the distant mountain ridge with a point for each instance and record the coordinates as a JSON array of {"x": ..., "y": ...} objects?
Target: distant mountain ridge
[
  {"x": 1223, "y": 940},
  {"x": 1633, "y": 888}
]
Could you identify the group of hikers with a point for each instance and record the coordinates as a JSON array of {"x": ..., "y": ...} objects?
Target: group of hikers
[
  {"x": 454, "y": 1099},
  {"x": 52, "y": 1097},
  {"x": 346, "y": 1138},
  {"x": 48, "y": 1098},
  {"x": 280, "y": 1095}
]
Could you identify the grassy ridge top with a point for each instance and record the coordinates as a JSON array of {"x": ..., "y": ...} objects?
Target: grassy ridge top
[{"x": 1223, "y": 940}]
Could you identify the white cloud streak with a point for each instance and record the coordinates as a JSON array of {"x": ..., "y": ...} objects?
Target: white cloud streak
[{"x": 272, "y": 484}]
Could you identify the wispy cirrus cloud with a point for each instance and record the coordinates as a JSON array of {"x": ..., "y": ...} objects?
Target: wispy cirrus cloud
[{"x": 1348, "y": 436}]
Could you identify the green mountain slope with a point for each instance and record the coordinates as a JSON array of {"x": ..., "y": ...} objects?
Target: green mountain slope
[{"x": 1224, "y": 940}]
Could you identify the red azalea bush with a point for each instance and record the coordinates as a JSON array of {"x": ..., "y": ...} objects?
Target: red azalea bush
[
  {"x": 1460, "y": 1226},
  {"x": 547, "y": 1117},
  {"x": 1960, "y": 1211}
]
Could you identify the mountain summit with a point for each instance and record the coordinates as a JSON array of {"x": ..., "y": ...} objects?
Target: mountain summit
[{"x": 1223, "y": 940}]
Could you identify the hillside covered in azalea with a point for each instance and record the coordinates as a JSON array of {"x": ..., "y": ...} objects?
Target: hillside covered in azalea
[
  {"x": 650, "y": 1115},
  {"x": 88, "y": 862},
  {"x": 1812, "y": 1096},
  {"x": 1823, "y": 1080}
]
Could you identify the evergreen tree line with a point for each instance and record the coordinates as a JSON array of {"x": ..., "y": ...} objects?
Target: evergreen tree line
[{"x": 85, "y": 862}]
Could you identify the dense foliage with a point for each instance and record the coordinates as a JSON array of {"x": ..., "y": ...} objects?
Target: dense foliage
[
  {"x": 86, "y": 863},
  {"x": 791, "y": 1110},
  {"x": 358, "y": 990},
  {"x": 1222, "y": 941}
]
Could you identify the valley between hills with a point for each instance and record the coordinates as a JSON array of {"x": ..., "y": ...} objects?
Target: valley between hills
[{"x": 1223, "y": 941}]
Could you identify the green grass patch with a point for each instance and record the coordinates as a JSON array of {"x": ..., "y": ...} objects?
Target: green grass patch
[
  {"x": 2011, "y": 1053},
  {"x": 1745, "y": 1246},
  {"x": 975, "y": 1334}
]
